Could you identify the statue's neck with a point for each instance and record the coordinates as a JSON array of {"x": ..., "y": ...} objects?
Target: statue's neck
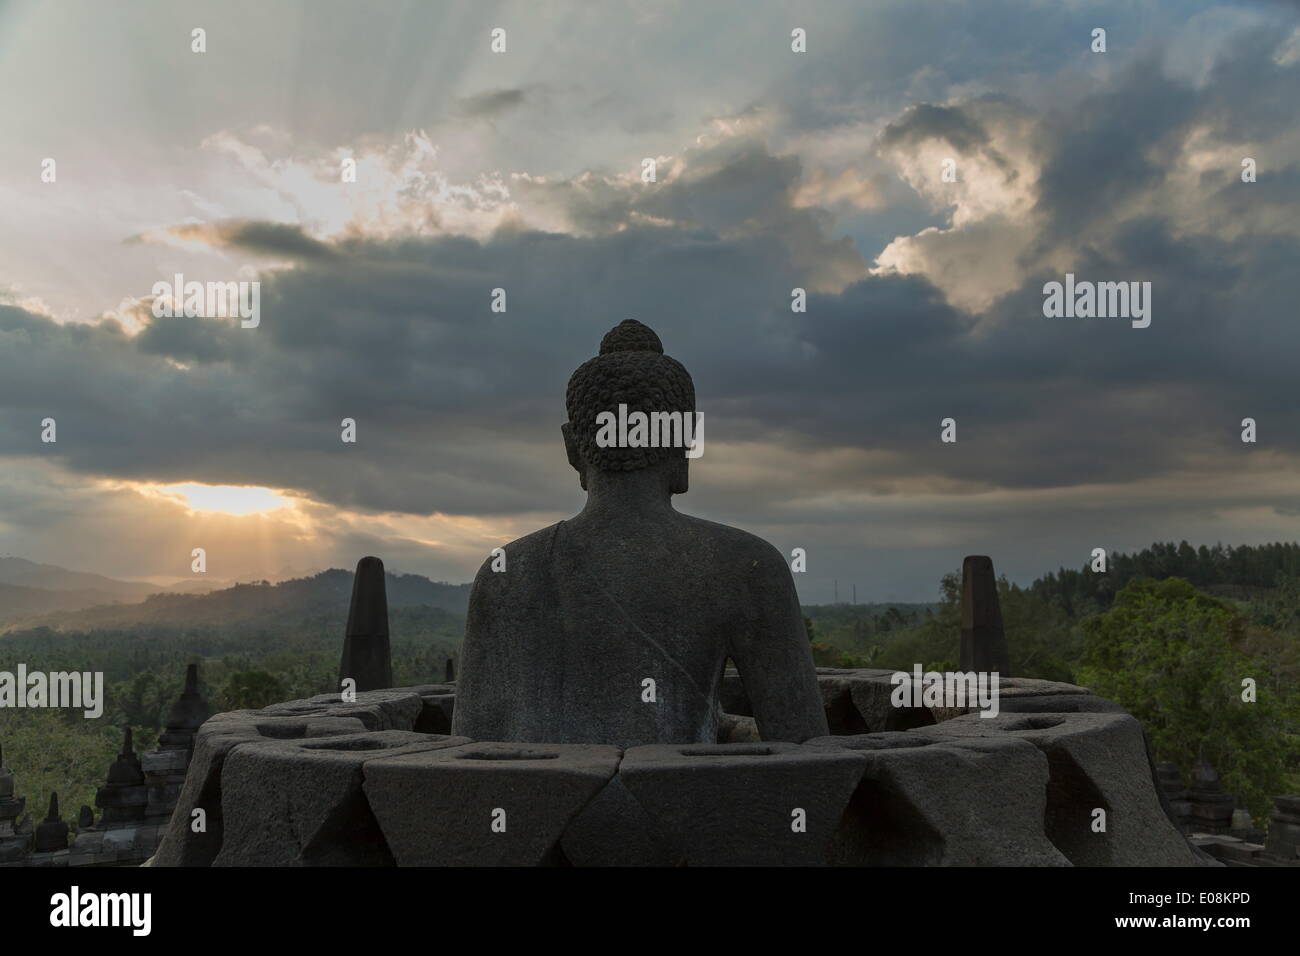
[{"x": 643, "y": 493}]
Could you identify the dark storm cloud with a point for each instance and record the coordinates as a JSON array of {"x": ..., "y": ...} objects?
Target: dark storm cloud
[
  {"x": 458, "y": 408},
  {"x": 271, "y": 238},
  {"x": 1112, "y": 148},
  {"x": 926, "y": 121},
  {"x": 274, "y": 239},
  {"x": 191, "y": 339},
  {"x": 490, "y": 103}
]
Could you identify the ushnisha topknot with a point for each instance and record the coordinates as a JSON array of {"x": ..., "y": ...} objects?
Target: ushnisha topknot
[
  {"x": 631, "y": 370},
  {"x": 631, "y": 336}
]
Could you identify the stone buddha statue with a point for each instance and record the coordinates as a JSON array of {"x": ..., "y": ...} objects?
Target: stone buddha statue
[{"x": 615, "y": 626}]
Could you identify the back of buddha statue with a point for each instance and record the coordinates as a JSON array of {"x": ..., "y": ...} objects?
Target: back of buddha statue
[{"x": 615, "y": 626}]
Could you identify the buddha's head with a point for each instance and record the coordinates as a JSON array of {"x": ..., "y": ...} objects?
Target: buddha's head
[{"x": 631, "y": 370}]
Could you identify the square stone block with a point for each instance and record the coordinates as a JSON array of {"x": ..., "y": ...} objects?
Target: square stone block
[
  {"x": 300, "y": 803},
  {"x": 396, "y": 709},
  {"x": 931, "y": 801},
  {"x": 182, "y": 846},
  {"x": 1096, "y": 761},
  {"x": 485, "y": 804},
  {"x": 768, "y": 804}
]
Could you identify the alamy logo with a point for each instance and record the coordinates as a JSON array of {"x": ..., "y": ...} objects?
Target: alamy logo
[
  {"x": 1102, "y": 300},
  {"x": 655, "y": 430},
  {"x": 74, "y": 909},
  {"x": 211, "y": 300},
  {"x": 82, "y": 691},
  {"x": 977, "y": 689}
]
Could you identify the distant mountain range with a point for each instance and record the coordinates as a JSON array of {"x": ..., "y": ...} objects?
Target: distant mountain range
[
  {"x": 20, "y": 572},
  {"x": 36, "y": 595}
]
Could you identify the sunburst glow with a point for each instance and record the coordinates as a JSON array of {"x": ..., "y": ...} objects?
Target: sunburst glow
[{"x": 225, "y": 499}]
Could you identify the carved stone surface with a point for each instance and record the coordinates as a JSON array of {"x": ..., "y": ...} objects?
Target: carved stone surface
[
  {"x": 299, "y": 802},
  {"x": 393, "y": 709},
  {"x": 983, "y": 642},
  {"x": 769, "y": 804},
  {"x": 934, "y": 801},
  {"x": 485, "y": 804},
  {"x": 1284, "y": 829},
  {"x": 615, "y": 830},
  {"x": 366, "y": 655},
  {"x": 1097, "y": 761},
  {"x": 184, "y": 844},
  {"x": 1018, "y": 789}
]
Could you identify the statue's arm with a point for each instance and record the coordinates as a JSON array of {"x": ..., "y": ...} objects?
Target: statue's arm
[
  {"x": 479, "y": 656},
  {"x": 774, "y": 657}
]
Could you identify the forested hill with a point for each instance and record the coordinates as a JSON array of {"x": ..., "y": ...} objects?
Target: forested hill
[
  {"x": 1238, "y": 572},
  {"x": 326, "y": 594}
]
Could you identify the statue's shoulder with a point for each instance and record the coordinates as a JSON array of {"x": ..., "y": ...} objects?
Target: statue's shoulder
[
  {"x": 735, "y": 546},
  {"x": 523, "y": 554}
]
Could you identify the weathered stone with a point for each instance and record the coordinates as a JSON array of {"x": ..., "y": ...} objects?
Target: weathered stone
[
  {"x": 1230, "y": 849},
  {"x": 120, "y": 842},
  {"x": 182, "y": 845},
  {"x": 1169, "y": 783},
  {"x": 1057, "y": 704},
  {"x": 11, "y": 808},
  {"x": 739, "y": 804},
  {"x": 396, "y": 709},
  {"x": 881, "y": 740},
  {"x": 14, "y": 850},
  {"x": 485, "y": 804},
  {"x": 187, "y": 714},
  {"x": 872, "y": 697},
  {"x": 124, "y": 798},
  {"x": 1284, "y": 829},
  {"x": 983, "y": 643},
  {"x": 731, "y": 694},
  {"x": 1096, "y": 761},
  {"x": 614, "y": 830},
  {"x": 871, "y": 691},
  {"x": 859, "y": 672},
  {"x": 89, "y": 840},
  {"x": 842, "y": 716},
  {"x": 55, "y": 858},
  {"x": 1209, "y": 808},
  {"x": 367, "y": 658},
  {"x": 164, "y": 761},
  {"x": 734, "y": 729},
  {"x": 835, "y": 685},
  {"x": 926, "y": 800},
  {"x": 425, "y": 690},
  {"x": 1019, "y": 687},
  {"x": 566, "y": 627},
  {"x": 437, "y": 709},
  {"x": 300, "y": 803},
  {"x": 52, "y": 834}
]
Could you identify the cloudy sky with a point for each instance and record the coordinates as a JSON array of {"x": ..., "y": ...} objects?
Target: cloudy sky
[{"x": 821, "y": 170}]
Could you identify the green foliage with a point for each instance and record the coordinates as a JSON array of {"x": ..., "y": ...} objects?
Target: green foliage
[
  {"x": 1232, "y": 571},
  {"x": 856, "y": 635},
  {"x": 250, "y": 690},
  {"x": 286, "y": 647},
  {"x": 1043, "y": 640},
  {"x": 933, "y": 639},
  {"x": 53, "y": 750},
  {"x": 1173, "y": 658},
  {"x": 143, "y": 701}
]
